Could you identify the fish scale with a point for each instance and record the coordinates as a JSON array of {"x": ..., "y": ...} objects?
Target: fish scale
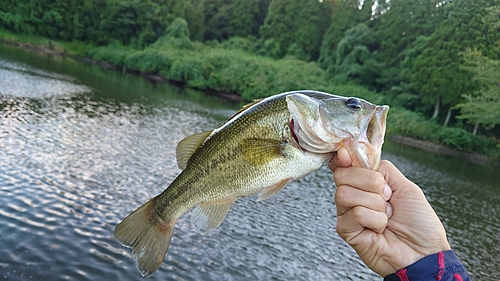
[{"x": 260, "y": 149}]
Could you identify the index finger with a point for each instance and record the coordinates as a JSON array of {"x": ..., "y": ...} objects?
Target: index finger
[{"x": 360, "y": 178}]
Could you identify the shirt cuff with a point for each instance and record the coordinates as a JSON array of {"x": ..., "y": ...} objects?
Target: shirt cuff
[{"x": 433, "y": 267}]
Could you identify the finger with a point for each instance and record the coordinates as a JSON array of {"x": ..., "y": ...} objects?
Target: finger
[
  {"x": 357, "y": 219},
  {"x": 347, "y": 197},
  {"x": 341, "y": 159},
  {"x": 360, "y": 178}
]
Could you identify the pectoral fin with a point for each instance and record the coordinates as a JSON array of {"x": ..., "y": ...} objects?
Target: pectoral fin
[
  {"x": 273, "y": 189},
  {"x": 187, "y": 147},
  {"x": 261, "y": 151},
  {"x": 208, "y": 216}
]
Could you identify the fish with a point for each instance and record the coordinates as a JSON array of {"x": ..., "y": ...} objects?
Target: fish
[{"x": 259, "y": 150}]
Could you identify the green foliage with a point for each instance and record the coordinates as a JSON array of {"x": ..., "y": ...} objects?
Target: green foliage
[
  {"x": 12, "y": 22},
  {"x": 416, "y": 125},
  {"x": 357, "y": 91},
  {"x": 355, "y": 59},
  {"x": 403, "y": 23},
  {"x": 492, "y": 17},
  {"x": 176, "y": 36},
  {"x": 462, "y": 140},
  {"x": 346, "y": 14},
  {"x": 406, "y": 54},
  {"x": 439, "y": 74},
  {"x": 458, "y": 139},
  {"x": 297, "y": 22},
  {"x": 241, "y": 44},
  {"x": 241, "y": 18},
  {"x": 412, "y": 124},
  {"x": 482, "y": 106},
  {"x": 196, "y": 20},
  {"x": 114, "y": 54}
]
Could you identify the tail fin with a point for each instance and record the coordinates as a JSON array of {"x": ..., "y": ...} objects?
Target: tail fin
[{"x": 147, "y": 235}]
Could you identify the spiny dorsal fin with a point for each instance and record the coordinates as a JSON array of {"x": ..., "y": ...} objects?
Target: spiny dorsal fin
[
  {"x": 273, "y": 189},
  {"x": 243, "y": 108},
  {"x": 187, "y": 147},
  {"x": 208, "y": 216},
  {"x": 260, "y": 151}
]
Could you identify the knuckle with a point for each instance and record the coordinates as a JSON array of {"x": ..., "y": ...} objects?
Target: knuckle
[
  {"x": 342, "y": 230},
  {"x": 381, "y": 205},
  {"x": 342, "y": 193},
  {"x": 377, "y": 181},
  {"x": 358, "y": 212},
  {"x": 339, "y": 176}
]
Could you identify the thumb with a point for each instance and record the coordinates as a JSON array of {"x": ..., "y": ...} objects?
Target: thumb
[{"x": 341, "y": 159}]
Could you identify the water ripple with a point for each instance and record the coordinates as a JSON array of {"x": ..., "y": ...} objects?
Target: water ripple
[{"x": 74, "y": 162}]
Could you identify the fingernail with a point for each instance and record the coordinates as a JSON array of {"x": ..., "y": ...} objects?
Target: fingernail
[
  {"x": 388, "y": 210},
  {"x": 387, "y": 192}
]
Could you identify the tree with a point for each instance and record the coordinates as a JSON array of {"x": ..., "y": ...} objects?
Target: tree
[
  {"x": 176, "y": 36},
  {"x": 302, "y": 22},
  {"x": 402, "y": 23},
  {"x": 218, "y": 15},
  {"x": 228, "y": 18},
  {"x": 483, "y": 106},
  {"x": 248, "y": 16},
  {"x": 439, "y": 78},
  {"x": 355, "y": 58},
  {"x": 346, "y": 14},
  {"x": 196, "y": 19}
]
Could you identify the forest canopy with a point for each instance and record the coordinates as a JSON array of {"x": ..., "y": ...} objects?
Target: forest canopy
[{"x": 437, "y": 58}]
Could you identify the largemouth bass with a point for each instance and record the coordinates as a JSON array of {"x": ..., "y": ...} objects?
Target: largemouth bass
[{"x": 260, "y": 149}]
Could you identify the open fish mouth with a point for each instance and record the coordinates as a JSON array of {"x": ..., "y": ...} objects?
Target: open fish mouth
[
  {"x": 325, "y": 125},
  {"x": 367, "y": 148}
]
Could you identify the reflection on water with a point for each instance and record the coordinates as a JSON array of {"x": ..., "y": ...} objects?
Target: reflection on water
[
  {"x": 81, "y": 147},
  {"x": 20, "y": 80}
]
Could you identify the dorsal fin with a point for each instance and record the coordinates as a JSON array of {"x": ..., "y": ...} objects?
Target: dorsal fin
[
  {"x": 243, "y": 108},
  {"x": 187, "y": 147}
]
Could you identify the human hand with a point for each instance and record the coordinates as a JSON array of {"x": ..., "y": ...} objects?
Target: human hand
[{"x": 384, "y": 216}]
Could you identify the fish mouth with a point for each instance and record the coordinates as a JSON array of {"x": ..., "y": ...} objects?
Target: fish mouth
[
  {"x": 367, "y": 148},
  {"x": 323, "y": 126}
]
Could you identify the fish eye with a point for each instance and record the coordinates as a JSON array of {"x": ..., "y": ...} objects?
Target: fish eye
[{"x": 353, "y": 103}]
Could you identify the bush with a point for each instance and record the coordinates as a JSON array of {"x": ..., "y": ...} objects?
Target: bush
[
  {"x": 240, "y": 44},
  {"x": 115, "y": 54},
  {"x": 458, "y": 139},
  {"x": 411, "y": 124},
  {"x": 189, "y": 71}
]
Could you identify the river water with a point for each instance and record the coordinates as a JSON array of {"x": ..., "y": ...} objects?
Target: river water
[{"x": 81, "y": 147}]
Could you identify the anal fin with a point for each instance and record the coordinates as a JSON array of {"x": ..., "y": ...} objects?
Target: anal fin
[
  {"x": 209, "y": 215},
  {"x": 273, "y": 189}
]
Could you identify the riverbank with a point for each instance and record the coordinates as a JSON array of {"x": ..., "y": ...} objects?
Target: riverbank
[
  {"x": 52, "y": 48},
  {"x": 230, "y": 73},
  {"x": 475, "y": 158},
  {"x": 55, "y": 50}
]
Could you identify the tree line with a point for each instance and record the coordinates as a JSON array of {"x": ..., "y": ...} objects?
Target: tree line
[{"x": 440, "y": 58}]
